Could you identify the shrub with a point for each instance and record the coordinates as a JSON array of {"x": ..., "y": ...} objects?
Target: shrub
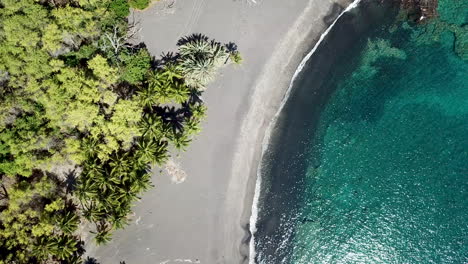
[
  {"x": 236, "y": 57},
  {"x": 136, "y": 66},
  {"x": 120, "y": 8},
  {"x": 139, "y": 4}
]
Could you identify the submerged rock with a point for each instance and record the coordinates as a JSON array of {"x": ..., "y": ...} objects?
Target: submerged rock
[{"x": 420, "y": 10}]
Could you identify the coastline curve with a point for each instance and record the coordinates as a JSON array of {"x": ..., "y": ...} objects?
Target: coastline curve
[{"x": 267, "y": 135}]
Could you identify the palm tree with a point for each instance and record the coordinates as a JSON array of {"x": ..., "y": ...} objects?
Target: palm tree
[
  {"x": 234, "y": 54},
  {"x": 155, "y": 78},
  {"x": 181, "y": 141},
  {"x": 43, "y": 247},
  {"x": 162, "y": 92},
  {"x": 89, "y": 146},
  {"x": 151, "y": 127},
  {"x": 146, "y": 151},
  {"x": 192, "y": 126},
  {"x": 197, "y": 111},
  {"x": 118, "y": 217},
  {"x": 162, "y": 86},
  {"x": 161, "y": 155},
  {"x": 127, "y": 195},
  {"x": 180, "y": 92},
  {"x": 103, "y": 234},
  {"x": 103, "y": 237},
  {"x": 75, "y": 259},
  {"x": 200, "y": 47},
  {"x": 104, "y": 183},
  {"x": 87, "y": 189},
  {"x": 147, "y": 96},
  {"x": 142, "y": 182},
  {"x": 68, "y": 222},
  {"x": 170, "y": 88},
  {"x": 92, "y": 168},
  {"x": 93, "y": 213},
  {"x": 171, "y": 72},
  {"x": 109, "y": 201},
  {"x": 64, "y": 246},
  {"x": 198, "y": 71},
  {"x": 119, "y": 166},
  {"x": 219, "y": 53},
  {"x": 236, "y": 57},
  {"x": 200, "y": 58}
]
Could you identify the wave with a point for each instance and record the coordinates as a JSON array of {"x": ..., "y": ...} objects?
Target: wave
[{"x": 266, "y": 138}]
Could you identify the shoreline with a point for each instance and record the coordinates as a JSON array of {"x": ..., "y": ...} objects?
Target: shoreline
[
  {"x": 269, "y": 130},
  {"x": 285, "y": 161},
  {"x": 264, "y": 131},
  {"x": 314, "y": 133},
  {"x": 206, "y": 218}
]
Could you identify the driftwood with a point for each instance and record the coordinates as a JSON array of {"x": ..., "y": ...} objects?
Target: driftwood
[{"x": 120, "y": 38}]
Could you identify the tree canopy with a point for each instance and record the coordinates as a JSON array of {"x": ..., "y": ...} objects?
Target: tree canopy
[{"x": 84, "y": 116}]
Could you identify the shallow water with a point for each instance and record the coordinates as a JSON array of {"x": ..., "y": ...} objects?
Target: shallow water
[{"x": 376, "y": 169}]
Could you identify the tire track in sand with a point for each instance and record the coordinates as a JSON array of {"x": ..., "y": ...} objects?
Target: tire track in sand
[{"x": 195, "y": 13}]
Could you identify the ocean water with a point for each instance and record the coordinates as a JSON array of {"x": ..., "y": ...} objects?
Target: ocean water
[{"x": 368, "y": 162}]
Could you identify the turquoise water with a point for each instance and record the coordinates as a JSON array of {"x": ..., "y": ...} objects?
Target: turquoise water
[
  {"x": 392, "y": 149},
  {"x": 381, "y": 174}
]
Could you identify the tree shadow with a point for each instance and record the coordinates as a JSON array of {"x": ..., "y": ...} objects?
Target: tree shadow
[
  {"x": 166, "y": 58},
  {"x": 192, "y": 38},
  {"x": 231, "y": 47},
  {"x": 194, "y": 98},
  {"x": 125, "y": 90},
  {"x": 91, "y": 260},
  {"x": 70, "y": 181},
  {"x": 171, "y": 116}
]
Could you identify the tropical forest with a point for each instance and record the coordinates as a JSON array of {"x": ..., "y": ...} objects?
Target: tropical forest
[{"x": 87, "y": 117}]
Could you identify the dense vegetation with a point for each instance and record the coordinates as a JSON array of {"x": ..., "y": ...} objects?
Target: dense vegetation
[
  {"x": 139, "y": 4},
  {"x": 84, "y": 114}
]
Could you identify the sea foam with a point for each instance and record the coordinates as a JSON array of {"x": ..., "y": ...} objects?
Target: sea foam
[{"x": 266, "y": 139}]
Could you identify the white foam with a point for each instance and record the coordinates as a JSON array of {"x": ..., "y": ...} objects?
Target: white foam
[{"x": 266, "y": 139}]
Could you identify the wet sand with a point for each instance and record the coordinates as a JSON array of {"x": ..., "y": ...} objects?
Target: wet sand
[{"x": 205, "y": 218}]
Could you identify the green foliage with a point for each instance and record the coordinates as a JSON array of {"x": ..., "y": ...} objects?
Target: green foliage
[
  {"x": 139, "y": 4},
  {"x": 70, "y": 94},
  {"x": 200, "y": 58},
  {"x": 35, "y": 228},
  {"x": 68, "y": 222},
  {"x": 102, "y": 70},
  {"x": 136, "y": 66},
  {"x": 236, "y": 57},
  {"x": 120, "y": 8}
]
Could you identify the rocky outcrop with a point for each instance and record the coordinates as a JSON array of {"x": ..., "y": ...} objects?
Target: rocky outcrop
[{"x": 420, "y": 10}]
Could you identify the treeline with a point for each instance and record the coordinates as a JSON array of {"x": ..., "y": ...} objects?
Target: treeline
[
  {"x": 84, "y": 114},
  {"x": 122, "y": 6}
]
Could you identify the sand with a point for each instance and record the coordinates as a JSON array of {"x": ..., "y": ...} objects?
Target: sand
[{"x": 204, "y": 218}]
